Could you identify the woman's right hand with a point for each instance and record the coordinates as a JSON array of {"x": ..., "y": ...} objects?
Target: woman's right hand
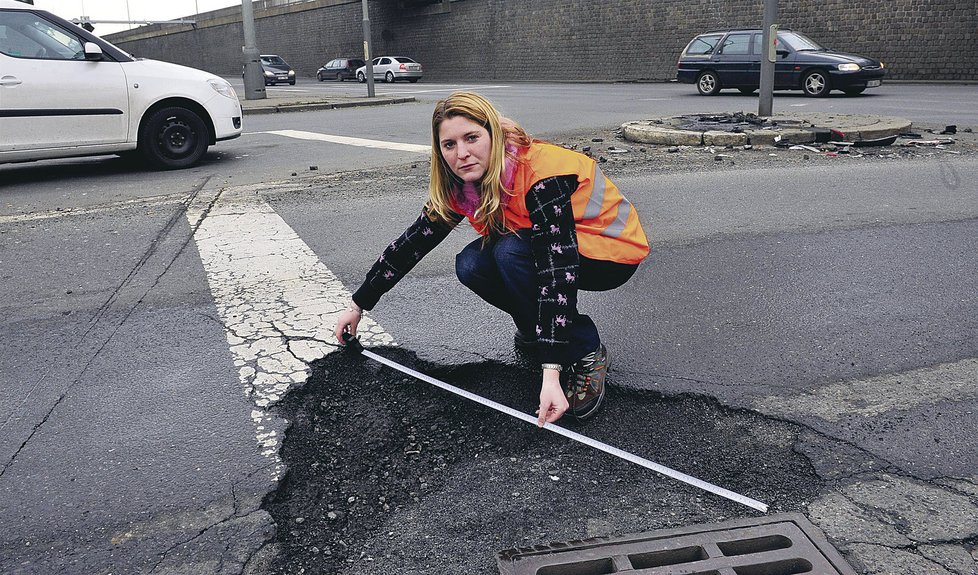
[{"x": 348, "y": 322}]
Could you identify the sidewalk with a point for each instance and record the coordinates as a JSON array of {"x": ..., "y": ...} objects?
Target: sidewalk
[{"x": 277, "y": 102}]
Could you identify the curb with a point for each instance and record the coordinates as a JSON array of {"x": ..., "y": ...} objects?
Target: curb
[
  {"x": 785, "y": 129},
  {"x": 307, "y": 106}
]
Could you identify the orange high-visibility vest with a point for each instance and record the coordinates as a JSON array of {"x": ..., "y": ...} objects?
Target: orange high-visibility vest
[{"x": 607, "y": 224}]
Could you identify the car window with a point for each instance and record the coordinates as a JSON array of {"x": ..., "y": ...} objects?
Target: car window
[
  {"x": 404, "y": 60},
  {"x": 332, "y": 64},
  {"x": 274, "y": 60},
  {"x": 757, "y": 41},
  {"x": 703, "y": 45},
  {"x": 736, "y": 44},
  {"x": 25, "y": 35},
  {"x": 385, "y": 61},
  {"x": 357, "y": 63},
  {"x": 799, "y": 43},
  {"x": 375, "y": 61}
]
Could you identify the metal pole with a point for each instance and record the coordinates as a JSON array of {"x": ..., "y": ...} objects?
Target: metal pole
[
  {"x": 765, "y": 101},
  {"x": 254, "y": 80},
  {"x": 366, "y": 51}
]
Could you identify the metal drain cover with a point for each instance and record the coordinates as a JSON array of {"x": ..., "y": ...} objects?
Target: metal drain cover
[{"x": 782, "y": 544}]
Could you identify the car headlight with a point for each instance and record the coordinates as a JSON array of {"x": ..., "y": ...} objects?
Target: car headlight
[
  {"x": 269, "y": 73},
  {"x": 291, "y": 72},
  {"x": 850, "y": 67},
  {"x": 223, "y": 88}
]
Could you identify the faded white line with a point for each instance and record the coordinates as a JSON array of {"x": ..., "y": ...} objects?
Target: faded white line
[
  {"x": 122, "y": 205},
  {"x": 346, "y": 140},
  {"x": 881, "y": 394},
  {"x": 277, "y": 301}
]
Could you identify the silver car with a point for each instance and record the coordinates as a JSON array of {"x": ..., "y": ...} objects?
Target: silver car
[{"x": 392, "y": 68}]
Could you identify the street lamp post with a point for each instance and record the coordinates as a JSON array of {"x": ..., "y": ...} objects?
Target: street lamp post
[
  {"x": 366, "y": 51},
  {"x": 765, "y": 100},
  {"x": 254, "y": 81}
]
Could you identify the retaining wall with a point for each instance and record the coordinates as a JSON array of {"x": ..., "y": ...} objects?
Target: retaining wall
[{"x": 575, "y": 40}]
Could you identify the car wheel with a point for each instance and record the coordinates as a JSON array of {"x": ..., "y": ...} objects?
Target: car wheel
[
  {"x": 854, "y": 91},
  {"x": 173, "y": 138},
  {"x": 414, "y": 80},
  {"x": 708, "y": 83},
  {"x": 816, "y": 84},
  {"x": 747, "y": 91},
  {"x": 389, "y": 78},
  {"x": 361, "y": 78},
  {"x": 292, "y": 82},
  {"x": 339, "y": 76}
]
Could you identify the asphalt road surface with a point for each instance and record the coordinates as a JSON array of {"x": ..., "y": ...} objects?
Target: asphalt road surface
[{"x": 803, "y": 333}]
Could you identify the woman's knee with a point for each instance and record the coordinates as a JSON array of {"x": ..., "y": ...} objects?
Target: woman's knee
[{"x": 467, "y": 266}]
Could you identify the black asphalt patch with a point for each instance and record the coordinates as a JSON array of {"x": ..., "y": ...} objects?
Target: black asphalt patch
[{"x": 388, "y": 474}]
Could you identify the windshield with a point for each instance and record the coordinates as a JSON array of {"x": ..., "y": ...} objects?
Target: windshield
[
  {"x": 273, "y": 60},
  {"x": 799, "y": 43}
]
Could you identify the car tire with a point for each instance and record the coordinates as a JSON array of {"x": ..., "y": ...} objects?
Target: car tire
[
  {"x": 854, "y": 91},
  {"x": 361, "y": 78},
  {"x": 292, "y": 82},
  {"x": 414, "y": 80},
  {"x": 319, "y": 76},
  {"x": 816, "y": 84},
  {"x": 708, "y": 83},
  {"x": 389, "y": 78},
  {"x": 173, "y": 137}
]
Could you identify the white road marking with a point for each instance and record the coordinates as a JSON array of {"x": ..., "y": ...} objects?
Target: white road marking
[
  {"x": 149, "y": 202},
  {"x": 301, "y": 135},
  {"x": 881, "y": 394},
  {"x": 277, "y": 301}
]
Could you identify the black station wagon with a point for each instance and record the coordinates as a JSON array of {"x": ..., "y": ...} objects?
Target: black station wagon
[{"x": 732, "y": 59}]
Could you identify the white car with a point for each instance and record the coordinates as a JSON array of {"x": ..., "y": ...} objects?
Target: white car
[
  {"x": 391, "y": 69},
  {"x": 65, "y": 92}
]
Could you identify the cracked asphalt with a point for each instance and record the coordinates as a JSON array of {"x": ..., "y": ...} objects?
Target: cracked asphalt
[{"x": 816, "y": 355}]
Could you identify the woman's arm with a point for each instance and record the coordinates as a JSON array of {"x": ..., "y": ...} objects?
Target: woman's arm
[
  {"x": 397, "y": 260},
  {"x": 553, "y": 240}
]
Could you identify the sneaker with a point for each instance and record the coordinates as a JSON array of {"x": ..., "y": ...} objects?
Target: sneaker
[
  {"x": 585, "y": 386},
  {"x": 523, "y": 342}
]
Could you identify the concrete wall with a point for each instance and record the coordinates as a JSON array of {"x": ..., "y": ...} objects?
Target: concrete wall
[{"x": 576, "y": 40}]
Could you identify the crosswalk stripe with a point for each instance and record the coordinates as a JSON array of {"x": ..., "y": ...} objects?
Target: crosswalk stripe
[
  {"x": 362, "y": 142},
  {"x": 277, "y": 301}
]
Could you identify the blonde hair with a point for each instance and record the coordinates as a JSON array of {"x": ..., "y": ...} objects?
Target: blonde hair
[{"x": 443, "y": 181}]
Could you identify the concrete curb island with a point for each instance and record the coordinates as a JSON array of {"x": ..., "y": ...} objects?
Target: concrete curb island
[{"x": 747, "y": 129}]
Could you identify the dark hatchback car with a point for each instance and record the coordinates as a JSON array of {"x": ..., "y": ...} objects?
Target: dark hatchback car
[
  {"x": 276, "y": 70},
  {"x": 732, "y": 59},
  {"x": 339, "y": 69}
]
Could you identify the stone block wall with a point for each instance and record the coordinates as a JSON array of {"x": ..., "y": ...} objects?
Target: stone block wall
[{"x": 568, "y": 40}]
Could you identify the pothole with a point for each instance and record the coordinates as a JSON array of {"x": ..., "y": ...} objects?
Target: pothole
[{"x": 388, "y": 474}]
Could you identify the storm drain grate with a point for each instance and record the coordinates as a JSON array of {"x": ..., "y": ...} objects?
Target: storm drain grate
[{"x": 783, "y": 544}]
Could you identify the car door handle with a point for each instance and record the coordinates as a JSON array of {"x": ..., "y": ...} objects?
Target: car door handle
[{"x": 9, "y": 81}]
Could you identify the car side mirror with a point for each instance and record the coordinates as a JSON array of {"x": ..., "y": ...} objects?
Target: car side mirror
[
  {"x": 93, "y": 51},
  {"x": 782, "y": 53}
]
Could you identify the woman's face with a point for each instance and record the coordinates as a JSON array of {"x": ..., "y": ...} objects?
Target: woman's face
[{"x": 466, "y": 147}]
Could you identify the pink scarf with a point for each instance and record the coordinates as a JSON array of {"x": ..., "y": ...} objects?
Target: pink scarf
[{"x": 468, "y": 197}]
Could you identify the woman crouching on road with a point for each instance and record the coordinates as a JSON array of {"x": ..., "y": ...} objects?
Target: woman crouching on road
[{"x": 551, "y": 224}]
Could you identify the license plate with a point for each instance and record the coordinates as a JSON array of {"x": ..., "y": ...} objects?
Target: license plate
[{"x": 873, "y": 83}]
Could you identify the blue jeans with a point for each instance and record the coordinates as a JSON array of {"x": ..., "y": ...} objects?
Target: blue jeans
[{"x": 503, "y": 273}]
